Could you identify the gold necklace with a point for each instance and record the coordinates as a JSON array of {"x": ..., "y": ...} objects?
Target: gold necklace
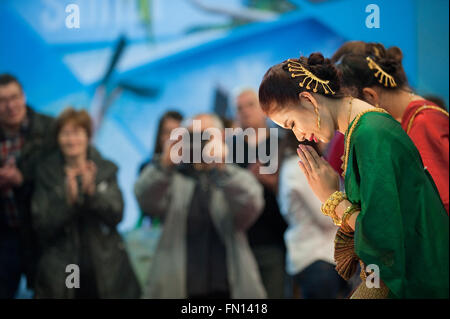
[
  {"x": 348, "y": 123},
  {"x": 350, "y": 132},
  {"x": 350, "y": 111}
]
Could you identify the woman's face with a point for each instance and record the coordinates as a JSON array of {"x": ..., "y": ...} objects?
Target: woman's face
[
  {"x": 73, "y": 140},
  {"x": 301, "y": 118},
  {"x": 168, "y": 125}
]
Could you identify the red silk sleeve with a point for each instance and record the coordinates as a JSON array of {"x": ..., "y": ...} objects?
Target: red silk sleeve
[{"x": 430, "y": 134}]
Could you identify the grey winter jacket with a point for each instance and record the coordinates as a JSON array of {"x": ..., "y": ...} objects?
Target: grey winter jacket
[{"x": 235, "y": 204}]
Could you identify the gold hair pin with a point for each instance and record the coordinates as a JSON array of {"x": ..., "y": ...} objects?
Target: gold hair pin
[
  {"x": 295, "y": 66},
  {"x": 376, "y": 52},
  {"x": 381, "y": 75}
]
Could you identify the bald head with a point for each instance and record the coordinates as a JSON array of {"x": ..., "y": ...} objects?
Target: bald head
[
  {"x": 208, "y": 121},
  {"x": 248, "y": 110}
]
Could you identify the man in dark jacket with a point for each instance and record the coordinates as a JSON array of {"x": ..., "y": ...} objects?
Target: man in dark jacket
[
  {"x": 24, "y": 138},
  {"x": 266, "y": 235}
]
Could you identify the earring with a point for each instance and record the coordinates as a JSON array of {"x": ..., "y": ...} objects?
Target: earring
[
  {"x": 318, "y": 117},
  {"x": 377, "y": 105}
]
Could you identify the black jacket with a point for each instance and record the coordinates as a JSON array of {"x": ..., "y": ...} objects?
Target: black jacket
[
  {"x": 61, "y": 238},
  {"x": 39, "y": 140}
]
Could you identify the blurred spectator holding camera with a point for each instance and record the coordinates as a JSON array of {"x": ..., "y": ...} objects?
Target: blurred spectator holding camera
[
  {"x": 170, "y": 120},
  {"x": 266, "y": 235},
  {"x": 205, "y": 209},
  {"x": 24, "y": 138},
  {"x": 76, "y": 207}
]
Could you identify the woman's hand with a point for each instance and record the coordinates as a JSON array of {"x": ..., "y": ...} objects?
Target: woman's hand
[
  {"x": 165, "y": 159},
  {"x": 89, "y": 174},
  {"x": 10, "y": 174},
  {"x": 71, "y": 185},
  {"x": 322, "y": 178}
]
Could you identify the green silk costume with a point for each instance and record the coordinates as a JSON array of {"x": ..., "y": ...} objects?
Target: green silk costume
[{"x": 403, "y": 227}]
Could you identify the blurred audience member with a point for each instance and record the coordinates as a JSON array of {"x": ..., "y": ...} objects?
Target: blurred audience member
[
  {"x": 227, "y": 122},
  {"x": 205, "y": 208},
  {"x": 76, "y": 207},
  {"x": 24, "y": 137},
  {"x": 169, "y": 121},
  {"x": 266, "y": 235},
  {"x": 310, "y": 236}
]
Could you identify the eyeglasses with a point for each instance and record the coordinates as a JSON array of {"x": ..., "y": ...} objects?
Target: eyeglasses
[{"x": 13, "y": 98}]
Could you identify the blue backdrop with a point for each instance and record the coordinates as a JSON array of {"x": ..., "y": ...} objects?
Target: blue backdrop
[{"x": 184, "y": 52}]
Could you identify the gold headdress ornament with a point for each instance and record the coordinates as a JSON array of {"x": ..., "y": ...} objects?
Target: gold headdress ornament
[
  {"x": 295, "y": 67},
  {"x": 376, "y": 52},
  {"x": 383, "y": 77}
]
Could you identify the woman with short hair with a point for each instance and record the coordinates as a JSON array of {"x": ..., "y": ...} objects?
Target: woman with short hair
[{"x": 76, "y": 207}]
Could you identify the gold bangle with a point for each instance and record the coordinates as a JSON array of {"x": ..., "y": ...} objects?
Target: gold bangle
[
  {"x": 349, "y": 212},
  {"x": 329, "y": 207}
]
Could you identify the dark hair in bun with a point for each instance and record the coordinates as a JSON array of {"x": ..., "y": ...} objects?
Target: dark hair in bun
[
  {"x": 281, "y": 84},
  {"x": 316, "y": 58},
  {"x": 351, "y": 60}
]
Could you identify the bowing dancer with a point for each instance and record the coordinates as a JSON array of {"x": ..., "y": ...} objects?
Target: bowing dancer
[
  {"x": 375, "y": 74},
  {"x": 390, "y": 216}
]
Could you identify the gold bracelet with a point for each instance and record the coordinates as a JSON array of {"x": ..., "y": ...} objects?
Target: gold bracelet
[
  {"x": 329, "y": 207},
  {"x": 349, "y": 212}
]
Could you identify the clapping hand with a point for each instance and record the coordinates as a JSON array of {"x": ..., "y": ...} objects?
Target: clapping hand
[
  {"x": 71, "y": 185},
  {"x": 88, "y": 175},
  {"x": 10, "y": 175}
]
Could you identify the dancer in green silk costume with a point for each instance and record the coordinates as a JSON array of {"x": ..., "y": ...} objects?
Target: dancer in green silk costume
[
  {"x": 402, "y": 226},
  {"x": 392, "y": 219}
]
